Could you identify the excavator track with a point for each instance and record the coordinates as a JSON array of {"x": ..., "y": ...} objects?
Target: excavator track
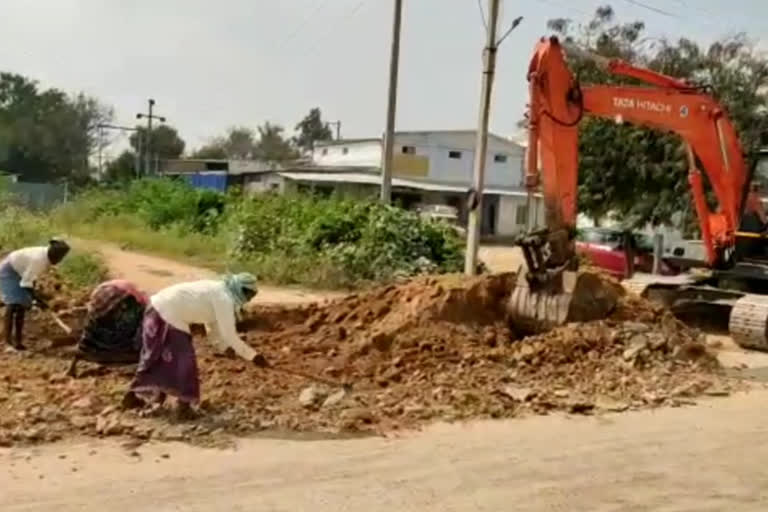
[
  {"x": 748, "y": 323},
  {"x": 747, "y": 319}
]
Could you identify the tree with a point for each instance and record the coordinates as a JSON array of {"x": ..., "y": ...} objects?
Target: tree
[
  {"x": 165, "y": 143},
  {"x": 272, "y": 146},
  {"x": 311, "y": 129},
  {"x": 214, "y": 150},
  {"x": 123, "y": 168},
  {"x": 91, "y": 113},
  {"x": 46, "y": 135},
  {"x": 639, "y": 173},
  {"x": 240, "y": 143}
]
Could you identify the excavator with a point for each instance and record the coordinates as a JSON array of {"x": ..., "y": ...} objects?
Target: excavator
[{"x": 729, "y": 292}]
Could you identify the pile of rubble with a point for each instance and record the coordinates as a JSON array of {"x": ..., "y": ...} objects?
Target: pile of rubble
[{"x": 429, "y": 349}]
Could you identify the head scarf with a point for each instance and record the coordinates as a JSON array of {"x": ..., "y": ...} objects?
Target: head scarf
[
  {"x": 130, "y": 289},
  {"x": 236, "y": 283}
]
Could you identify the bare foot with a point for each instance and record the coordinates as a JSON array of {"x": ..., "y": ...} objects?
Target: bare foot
[
  {"x": 72, "y": 372},
  {"x": 184, "y": 412},
  {"x": 228, "y": 353},
  {"x": 131, "y": 401}
]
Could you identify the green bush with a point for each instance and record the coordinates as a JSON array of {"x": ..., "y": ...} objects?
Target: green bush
[
  {"x": 301, "y": 239},
  {"x": 20, "y": 228},
  {"x": 83, "y": 269},
  {"x": 159, "y": 203},
  {"x": 351, "y": 240}
]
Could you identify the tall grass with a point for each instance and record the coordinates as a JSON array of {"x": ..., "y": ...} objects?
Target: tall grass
[
  {"x": 83, "y": 269},
  {"x": 20, "y": 228}
]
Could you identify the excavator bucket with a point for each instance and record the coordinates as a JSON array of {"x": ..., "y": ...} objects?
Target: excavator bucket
[{"x": 570, "y": 296}]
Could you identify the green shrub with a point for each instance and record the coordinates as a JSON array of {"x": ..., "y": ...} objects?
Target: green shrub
[
  {"x": 83, "y": 269},
  {"x": 158, "y": 203},
  {"x": 301, "y": 239},
  {"x": 351, "y": 240},
  {"x": 20, "y": 228}
]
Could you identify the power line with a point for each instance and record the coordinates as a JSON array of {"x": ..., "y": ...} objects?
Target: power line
[
  {"x": 482, "y": 13},
  {"x": 318, "y": 7},
  {"x": 653, "y": 8},
  {"x": 315, "y": 48}
]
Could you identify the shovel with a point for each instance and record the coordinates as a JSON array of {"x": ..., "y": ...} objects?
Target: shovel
[{"x": 64, "y": 327}]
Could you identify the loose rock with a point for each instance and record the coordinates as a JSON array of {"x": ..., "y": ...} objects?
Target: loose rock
[
  {"x": 518, "y": 393},
  {"x": 334, "y": 398},
  {"x": 311, "y": 396}
]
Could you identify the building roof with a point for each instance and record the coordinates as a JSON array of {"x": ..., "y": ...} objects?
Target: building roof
[
  {"x": 375, "y": 179},
  {"x": 340, "y": 142}
]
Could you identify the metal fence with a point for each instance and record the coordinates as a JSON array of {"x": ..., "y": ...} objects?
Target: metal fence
[{"x": 38, "y": 196}]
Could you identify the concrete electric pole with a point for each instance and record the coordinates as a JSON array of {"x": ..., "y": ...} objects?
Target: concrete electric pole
[
  {"x": 337, "y": 124},
  {"x": 389, "y": 135},
  {"x": 475, "y": 198},
  {"x": 148, "y": 143}
]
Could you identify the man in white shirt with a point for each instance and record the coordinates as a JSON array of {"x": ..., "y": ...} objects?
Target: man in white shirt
[
  {"x": 18, "y": 273},
  {"x": 168, "y": 364}
]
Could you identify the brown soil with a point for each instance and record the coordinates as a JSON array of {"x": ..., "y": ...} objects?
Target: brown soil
[{"x": 428, "y": 349}]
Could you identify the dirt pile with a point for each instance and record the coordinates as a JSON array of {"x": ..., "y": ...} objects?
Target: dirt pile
[{"x": 425, "y": 350}]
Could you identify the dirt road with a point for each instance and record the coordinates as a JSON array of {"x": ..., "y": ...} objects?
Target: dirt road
[
  {"x": 709, "y": 457},
  {"x": 153, "y": 273},
  {"x": 705, "y": 458}
]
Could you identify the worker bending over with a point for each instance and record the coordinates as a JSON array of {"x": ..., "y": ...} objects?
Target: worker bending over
[
  {"x": 168, "y": 363},
  {"x": 18, "y": 273},
  {"x": 112, "y": 332}
]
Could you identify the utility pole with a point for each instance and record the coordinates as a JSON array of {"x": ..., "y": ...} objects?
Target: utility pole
[
  {"x": 474, "y": 222},
  {"x": 102, "y": 127},
  {"x": 338, "y": 128},
  {"x": 148, "y": 143},
  {"x": 101, "y": 144},
  {"x": 389, "y": 135}
]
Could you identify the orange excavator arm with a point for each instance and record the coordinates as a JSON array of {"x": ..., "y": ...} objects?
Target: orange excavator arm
[{"x": 557, "y": 105}]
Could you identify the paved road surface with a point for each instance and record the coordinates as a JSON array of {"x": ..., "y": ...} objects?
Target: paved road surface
[{"x": 711, "y": 457}]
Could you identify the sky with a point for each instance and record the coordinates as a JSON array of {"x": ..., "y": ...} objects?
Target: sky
[{"x": 211, "y": 65}]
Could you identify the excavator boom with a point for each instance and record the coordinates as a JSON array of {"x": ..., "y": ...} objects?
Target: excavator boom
[{"x": 557, "y": 105}]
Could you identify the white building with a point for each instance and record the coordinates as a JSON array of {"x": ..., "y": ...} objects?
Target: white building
[
  {"x": 429, "y": 167},
  {"x": 445, "y": 156}
]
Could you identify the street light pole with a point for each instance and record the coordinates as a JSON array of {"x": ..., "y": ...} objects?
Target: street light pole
[{"x": 148, "y": 143}]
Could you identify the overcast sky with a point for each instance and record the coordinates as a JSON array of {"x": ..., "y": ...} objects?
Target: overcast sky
[{"x": 213, "y": 64}]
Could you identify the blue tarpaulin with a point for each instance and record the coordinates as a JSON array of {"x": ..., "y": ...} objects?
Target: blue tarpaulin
[{"x": 215, "y": 181}]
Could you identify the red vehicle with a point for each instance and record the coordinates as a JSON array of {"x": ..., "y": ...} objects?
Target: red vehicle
[{"x": 604, "y": 247}]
